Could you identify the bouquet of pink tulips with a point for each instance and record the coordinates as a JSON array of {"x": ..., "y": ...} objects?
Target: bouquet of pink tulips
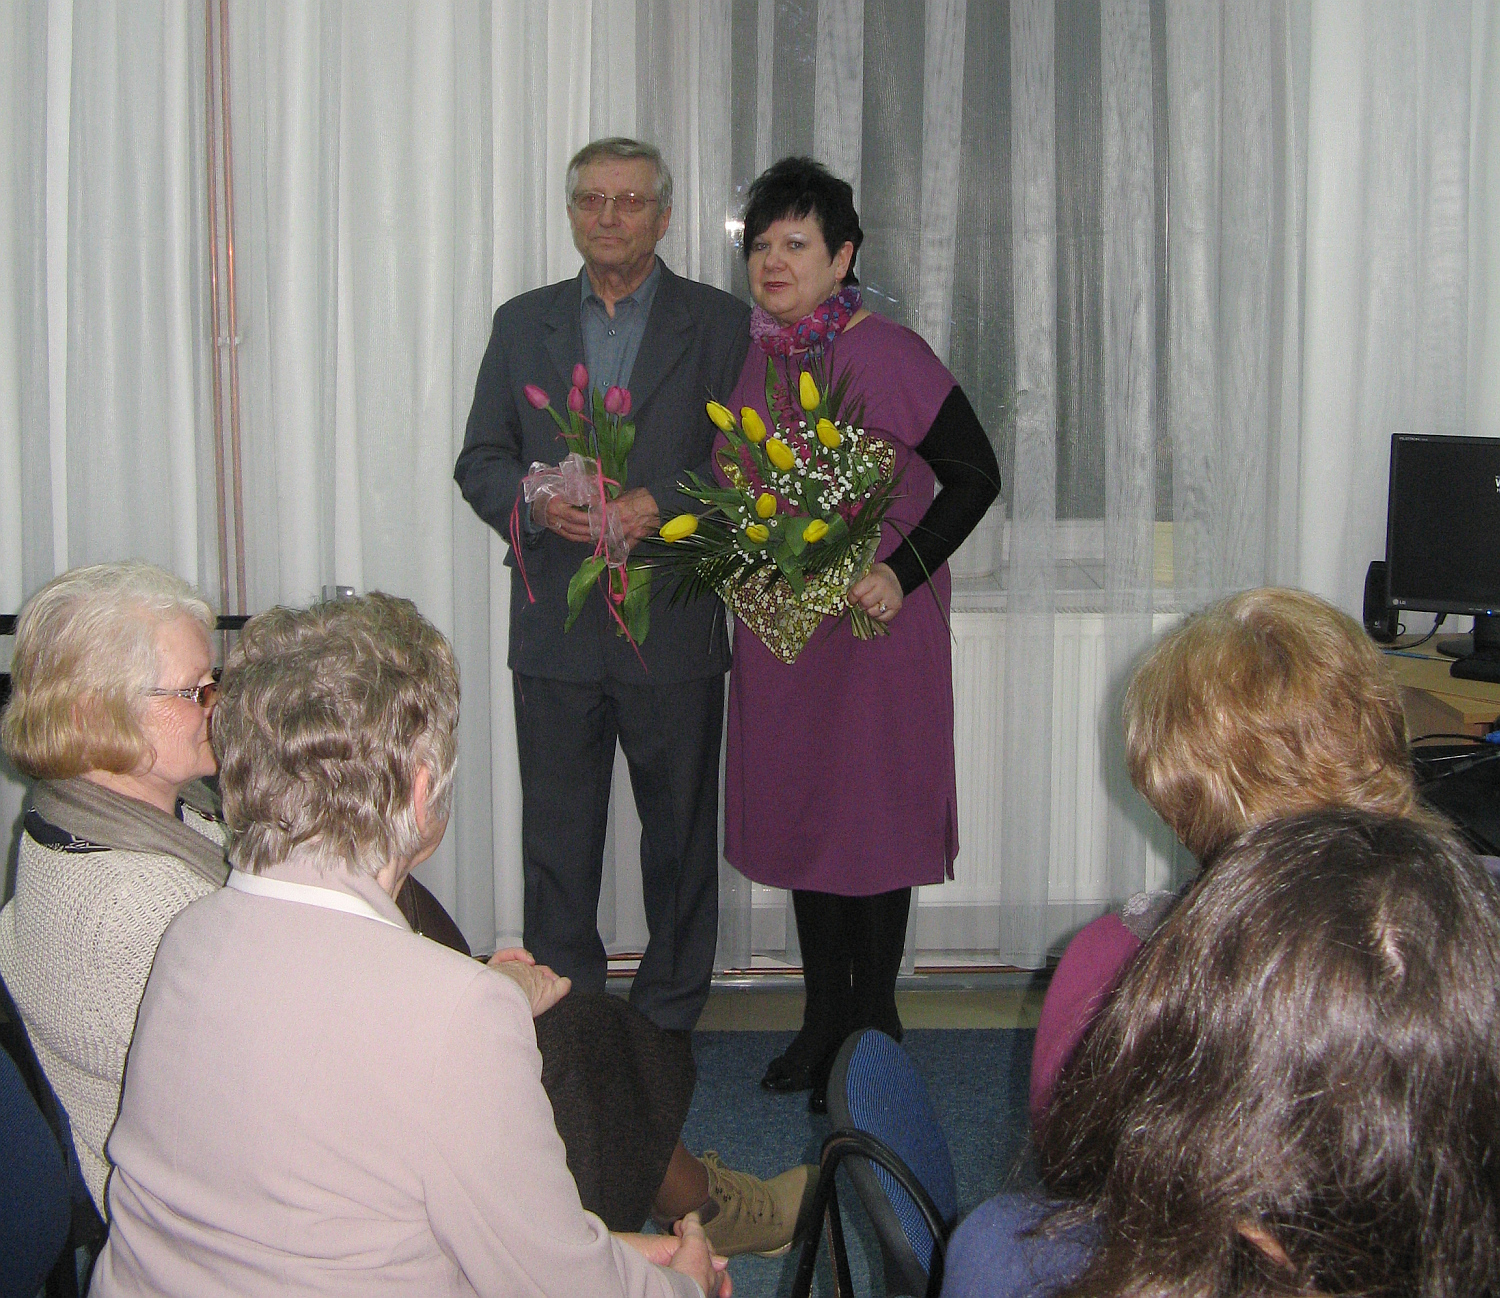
[{"x": 599, "y": 436}]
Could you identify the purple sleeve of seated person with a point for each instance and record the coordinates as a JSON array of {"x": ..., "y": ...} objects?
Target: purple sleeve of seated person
[
  {"x": 991, "y": 1256},
  {"x": 1089, "y": 970}
]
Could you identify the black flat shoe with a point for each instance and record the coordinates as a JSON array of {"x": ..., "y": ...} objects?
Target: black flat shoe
[
  {"x": 785, "y": 1073},
  {"x": 817, "y": 1102},
  {"x": 797, "y": 1068}
]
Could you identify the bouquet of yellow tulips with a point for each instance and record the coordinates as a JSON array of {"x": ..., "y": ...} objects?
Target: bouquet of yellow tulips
[{"x": 798, "y": 523}]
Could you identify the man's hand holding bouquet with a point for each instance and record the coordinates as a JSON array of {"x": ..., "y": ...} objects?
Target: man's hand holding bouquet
[{"x": 599, "y": 435}]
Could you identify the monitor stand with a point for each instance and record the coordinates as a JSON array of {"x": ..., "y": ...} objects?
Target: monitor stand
[{"x": 1478, "y": 655}]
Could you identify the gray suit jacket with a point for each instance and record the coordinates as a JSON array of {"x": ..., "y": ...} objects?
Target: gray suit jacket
[
  {"x": 692, "y": 352},
  {"x": 321, "y": 1103}
]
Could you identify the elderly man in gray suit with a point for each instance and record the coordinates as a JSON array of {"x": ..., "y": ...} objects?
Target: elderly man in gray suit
[{"x": 674, "y": 344}]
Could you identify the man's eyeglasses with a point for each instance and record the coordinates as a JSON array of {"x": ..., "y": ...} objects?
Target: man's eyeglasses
[
  {"x": 627, "y": 204},
  {"x": 203, "y": 695}
]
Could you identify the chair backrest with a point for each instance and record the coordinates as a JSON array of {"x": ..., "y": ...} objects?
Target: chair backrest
[
  {"x": 875, "y": 1088},
  {"x": 53, "y": 1199}
]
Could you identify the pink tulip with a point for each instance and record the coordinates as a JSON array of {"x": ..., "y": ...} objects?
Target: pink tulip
[
  {"x": 580, "y": 376},
  {"x": 575, "y": 399},
  {"x": 536, "y": 396},
  {"x": 624, "y": 402},
  {"x": 612, "y": 400}
]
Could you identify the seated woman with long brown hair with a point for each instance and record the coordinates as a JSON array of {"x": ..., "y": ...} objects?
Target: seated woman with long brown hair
[{"x": 1291, "y": 1092}]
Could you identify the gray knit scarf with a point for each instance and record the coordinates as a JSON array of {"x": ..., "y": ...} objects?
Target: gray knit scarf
[{"x": 90, "y": 811}]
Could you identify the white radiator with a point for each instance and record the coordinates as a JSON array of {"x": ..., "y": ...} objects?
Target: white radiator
[{"x": 959, "y": 914}]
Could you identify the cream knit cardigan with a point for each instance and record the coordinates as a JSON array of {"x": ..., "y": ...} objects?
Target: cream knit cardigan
[{"x": 76, "y": 944}]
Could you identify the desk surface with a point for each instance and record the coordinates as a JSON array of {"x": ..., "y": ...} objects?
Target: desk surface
[{"x": 1437, "y": 702}]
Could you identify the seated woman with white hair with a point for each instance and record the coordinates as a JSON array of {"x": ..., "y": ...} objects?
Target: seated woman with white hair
[
  {"x": 318, "y": 1098},
  {"x": 113, "y": 686}
]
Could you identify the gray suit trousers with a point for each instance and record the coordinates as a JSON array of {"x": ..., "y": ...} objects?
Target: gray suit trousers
[{"x": 670, "y": 734}]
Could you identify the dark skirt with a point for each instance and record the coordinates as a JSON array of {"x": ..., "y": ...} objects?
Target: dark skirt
[
  {"x": 620, "y": 1088},
  {"x": 619, "y": 1085}
]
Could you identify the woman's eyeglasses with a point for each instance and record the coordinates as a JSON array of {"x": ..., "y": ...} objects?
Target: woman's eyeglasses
[
  {"x": 203, "y": 695},
  {"x": 593, "y": 202}
]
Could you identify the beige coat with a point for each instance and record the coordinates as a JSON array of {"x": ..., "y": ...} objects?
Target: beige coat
[{"x": 317, "y": 1102}]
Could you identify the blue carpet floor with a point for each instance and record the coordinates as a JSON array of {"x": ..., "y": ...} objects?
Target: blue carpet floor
[{"x": 978, "y": 1081}]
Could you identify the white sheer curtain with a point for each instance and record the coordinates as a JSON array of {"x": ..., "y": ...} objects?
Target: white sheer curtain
[
  {"x": 1099, "y": 213},
  {"x": 104, "y": 415},
  {"x": 1400, "y": 246},
  {"x": 400, "y": 172},
  {"x": 1193, "y": 260}
]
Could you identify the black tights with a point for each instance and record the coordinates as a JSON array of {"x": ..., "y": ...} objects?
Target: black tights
[{"x": 851, "y": 954}]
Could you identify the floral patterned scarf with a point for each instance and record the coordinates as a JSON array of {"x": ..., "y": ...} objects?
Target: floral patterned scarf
[{"x": 811, "y": 333}]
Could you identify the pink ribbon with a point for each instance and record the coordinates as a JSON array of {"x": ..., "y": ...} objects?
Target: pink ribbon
[{"x": 570, "y": 480}]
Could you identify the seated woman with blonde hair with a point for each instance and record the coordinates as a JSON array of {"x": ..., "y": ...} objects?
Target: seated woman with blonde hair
[
  {"x": 1269, "y": 703},
  {"x": 1291, "y": 1092},
  {"x": 320, "y": 1099}
]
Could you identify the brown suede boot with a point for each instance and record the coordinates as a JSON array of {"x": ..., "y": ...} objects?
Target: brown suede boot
[{"x": 750, "y": 1215}]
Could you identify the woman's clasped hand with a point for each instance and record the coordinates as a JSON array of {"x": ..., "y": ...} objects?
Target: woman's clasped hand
[
  {"x": 542, "y": 987},
  {"x": 878, "y": 593},
  {"x": 686, "y": 1250}
]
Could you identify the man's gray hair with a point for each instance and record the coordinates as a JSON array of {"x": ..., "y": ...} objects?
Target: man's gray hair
[
  {"x": 625, "y": 150},
  {"x": 325, "y": 717}
]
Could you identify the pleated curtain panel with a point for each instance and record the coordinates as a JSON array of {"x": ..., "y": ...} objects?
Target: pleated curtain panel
[{"x": 1193, "y": 260}]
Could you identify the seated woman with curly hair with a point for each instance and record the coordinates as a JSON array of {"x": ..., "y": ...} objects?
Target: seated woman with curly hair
[
  {"x": 114, "y": 689},
  {"x": 319, "y": 1099},
  {"x": 1291, "y": 1092}
]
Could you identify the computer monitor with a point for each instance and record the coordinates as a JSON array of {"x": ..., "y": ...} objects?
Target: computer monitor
[{"x": 1442, "y": 539}]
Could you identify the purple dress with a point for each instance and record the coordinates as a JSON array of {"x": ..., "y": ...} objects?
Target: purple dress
[{"x": 840, "y": 770}]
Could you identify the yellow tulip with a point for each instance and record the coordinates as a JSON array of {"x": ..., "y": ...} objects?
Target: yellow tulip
[
  {"x": 765, "y": 504},
  {"x": 681, "y": 526},
  {"x": 807, "y": 390},
  {"x": 780, "y": 454},
  {"x": 828, "y": 434},
  {"x": 815, "y": 531},
  {"x": 759, "y": 533},
  {"x": 755, "y": 426},
  {"x": 721, "y": 417}
]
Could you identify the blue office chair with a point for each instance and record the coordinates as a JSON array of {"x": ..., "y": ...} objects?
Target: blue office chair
[
  {"x": 887, "y": 1136},
  {"x": 50, "y": 1231}
]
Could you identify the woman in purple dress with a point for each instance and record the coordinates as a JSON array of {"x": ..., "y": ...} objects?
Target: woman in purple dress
[{"x": 840, "y": 782}]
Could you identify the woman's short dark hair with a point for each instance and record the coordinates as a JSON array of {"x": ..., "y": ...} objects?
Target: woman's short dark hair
[
  {"x": 1307, "y": 1052},
  {"x": 795, "y": 187}
]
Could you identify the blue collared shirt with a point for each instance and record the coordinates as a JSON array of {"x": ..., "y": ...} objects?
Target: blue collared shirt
[{"x": 611, "y": 343}]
